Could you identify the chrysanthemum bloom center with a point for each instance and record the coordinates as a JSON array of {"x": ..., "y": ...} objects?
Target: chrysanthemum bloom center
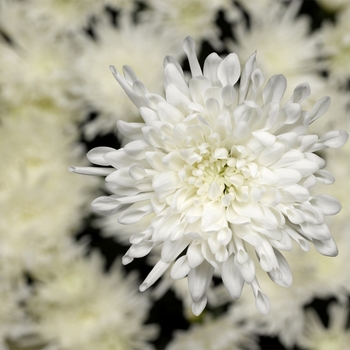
[
  {"x": 225, "y": 178},
  {"x": 215, "y": 169}
]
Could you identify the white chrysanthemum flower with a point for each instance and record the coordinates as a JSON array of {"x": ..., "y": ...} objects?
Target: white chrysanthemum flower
[
  {"x": 218, "y": 334},
  {"x": 80, "y": 307},
  {"x": 36, "y": 66},
  {"x": 127, "y": 43},
  {"x": 220, "y": 172},
  {"x": 335, "y": 47},
  {"x": 191, "y": 17},
  {"x": 37, "y": 206},
  {"x": 336, "y": 336}
]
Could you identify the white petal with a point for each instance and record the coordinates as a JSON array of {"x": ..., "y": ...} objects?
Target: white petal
[
  {"x": 198, "y": 86},
  {"x": 262, "y": 303},
  {"x": 228, "y": 95},
  {"x": 325, "y": 177},
  {"x": 248, "y": 68},
  {"x": 305, "y": 167},
  {"x": 171, "y": 249},
  {"x": 232, "y": 278},
  {"x": 132, "y": 130},
  {"x": 198, "y": 306},
  {"x": 224, "y": 236},
  {"x": 136, "y": 149},
  {"x": 328, "y": 247},
  {"x": 222, "y": 254},
  {"x": 194, "y": 255},
  {"x": 295, "y": 193},
  {"x": 165, "y": 183},
  {"x": 285, "y": 243},
  {"x": 148, "y": 115},
  {"x": 96, "y": 155},
  {"x": 169, "y": 113},
  {"x": 268, "y": 177},
  {"x": 134, "y": 97},
  {"x": 282, "y": 274},
  {"x": 269, "y": 155},
  {"x": 265, "y": 138},
  {"x": 334, "y": 139},
  {"x": 288, "y": 158},
  {"x": 213, "y": 216},
  {"x": 171, "y": 60},
  {"x": 214, "y": 191},
  {"x": 327, "y": 204},
  {"x": 91, "y": 170},
  {"x": 176, "y": 98},
  {"x": 199, "y": 279},
  {"x": 139, "y": 250},
  {"x": 211, "y": 65},
  {"x": 173, "y": 76},
  {"x": 274, "y": 89},
  {"x": 132, "y": 216},
  {"x": 287, "y": 177},
  {"x": 295, "y": 216},
  {"x": 157, "y": 271},
  {"x": 320, "y": 108},
  {"x": 180, "y": 268},
  {"x": 247, "y": 269},
  {"x": 189, "y": 48},
  {"x": 108, "y": 205},
  {"x": 293, "y": 112},
  {"x": 300, "y": 93},
  {"x": 229, "y": 70},
  {"x": 137, "y": 171}
]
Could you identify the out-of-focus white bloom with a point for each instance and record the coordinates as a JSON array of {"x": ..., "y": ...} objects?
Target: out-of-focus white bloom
[
  {"x": 60, "y": 16},
  {"x": 191, "y": 17},
  {"x": 221, "y": 172},
  {"x": 80, "y": 307},
  {"x": 36, "y": 66},
  {"x": 218, "y": 334},
  {"x": 281, "y": 39},
  {"x": 144, "y": 45},
  {"x": 333, "y": 5},
  {"x": 317, "y": 337},
  {"x": 335, "y": 47},
  {"x": 40, "y": 201}
]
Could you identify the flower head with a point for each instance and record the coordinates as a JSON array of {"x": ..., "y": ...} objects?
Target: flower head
[
  {"x": 216, "y": 170},
  {"x": 80, "y": 307}
]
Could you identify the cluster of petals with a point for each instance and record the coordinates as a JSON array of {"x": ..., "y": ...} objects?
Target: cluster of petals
[{"x": 218, "y": 166}]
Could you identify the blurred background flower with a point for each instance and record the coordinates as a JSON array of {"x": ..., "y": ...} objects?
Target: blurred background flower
[{"x": 62, "y": 285}]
